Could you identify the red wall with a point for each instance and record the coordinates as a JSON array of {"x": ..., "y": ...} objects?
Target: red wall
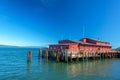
[
  {"x": 74, "y": 48},
  {"x": 58, "y": 47}
]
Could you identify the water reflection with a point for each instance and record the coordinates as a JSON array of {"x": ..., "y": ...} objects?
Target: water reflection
[
  {"x": 89, "y": 68},
  {"x": 94, "y": 69},
  {"x": 45, "y": 61},
  {"x": 39, "y": 63},
  {"x": 28, "y": 67}
]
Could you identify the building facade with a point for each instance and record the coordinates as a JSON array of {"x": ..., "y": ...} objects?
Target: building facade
[{"x": 85, "y": 44}]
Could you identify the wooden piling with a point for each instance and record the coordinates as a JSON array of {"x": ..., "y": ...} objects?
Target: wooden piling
[
  {"x": 46, "y": 54},
  {"x": 100, "y": 55},
  {"x": 58, "y": 56},
  {"x": 29, "y": 56},
  {"x": 86, "y": 55},
  {"x": 94, "y": 55},
  {"x": 83, "y": 56},
  {"x": 62, "y": 53},
  {"x": 105, "y": 54},
  {"x": 77, "y": 57},
  {"x": 113, "y": 55},
  {"x": 110, "y": 54},
  {"x": 71, "y": 56},
  {"x": 66, "y": 55},
  {"x": 39, "y": 54},
  {"x": 89, "y": 55}
]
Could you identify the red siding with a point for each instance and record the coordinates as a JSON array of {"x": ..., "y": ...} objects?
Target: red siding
[{"x": 76, "y": 47}]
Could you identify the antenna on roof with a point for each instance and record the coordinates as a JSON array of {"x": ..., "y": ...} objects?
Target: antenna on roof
[
  {"x": 83, "y": 31},
  {"x": 98, "y": 38}
]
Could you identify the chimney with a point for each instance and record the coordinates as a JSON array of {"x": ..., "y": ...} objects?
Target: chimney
[{"x": 84, "y": 39}]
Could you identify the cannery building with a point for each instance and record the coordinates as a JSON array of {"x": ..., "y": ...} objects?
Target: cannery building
[{"x": 84, "y": 44}]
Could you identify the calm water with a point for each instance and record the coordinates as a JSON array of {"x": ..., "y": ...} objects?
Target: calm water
[{"x": 13, "y": 66}]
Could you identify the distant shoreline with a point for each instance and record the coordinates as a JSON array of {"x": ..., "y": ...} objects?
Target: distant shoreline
[{"x": 9, "y": 46}]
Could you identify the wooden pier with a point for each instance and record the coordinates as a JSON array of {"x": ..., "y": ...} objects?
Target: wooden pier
[{"x": 65, "y": 55}]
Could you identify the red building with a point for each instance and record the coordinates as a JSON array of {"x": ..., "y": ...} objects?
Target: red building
[{"x": 85, "y": 44}]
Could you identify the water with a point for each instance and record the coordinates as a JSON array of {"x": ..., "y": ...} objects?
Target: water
[{"x": 14, "y": 66}]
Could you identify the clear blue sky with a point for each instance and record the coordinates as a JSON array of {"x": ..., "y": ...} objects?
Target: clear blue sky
[{"x": 42, "y": 22}]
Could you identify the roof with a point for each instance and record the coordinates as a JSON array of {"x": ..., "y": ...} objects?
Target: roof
[
  {"x": 95, "y": 40},
  {"x": 81, "y": 42},
  {"x": 62, "y": 44}
]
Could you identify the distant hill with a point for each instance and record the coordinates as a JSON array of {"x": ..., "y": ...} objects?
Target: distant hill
[
  {"x": 33, "y": 47},
  {"x": 8, "y": 46},
  {"x": 118, "y": 49}
]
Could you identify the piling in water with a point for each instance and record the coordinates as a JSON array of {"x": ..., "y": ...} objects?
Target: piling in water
[
  {"x": 58, "y": 56},
  {"x": 66, "y": 55},
  {"x": 83, "y": 56},
  {"x": 94, "y": 55},
  {"x": 46, "y": 54},
  {"x": 77, "y": 57},
  {"x": 62, "y": 55},
  {"x": 39, "y": 54},
  {"x": 100, "y": 55},
  {"x": 29, "y": 56},
  {"x": 71, "y": 56}
]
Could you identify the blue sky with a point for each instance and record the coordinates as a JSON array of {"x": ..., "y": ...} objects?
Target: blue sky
[{"x": 42, "y": 22}]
